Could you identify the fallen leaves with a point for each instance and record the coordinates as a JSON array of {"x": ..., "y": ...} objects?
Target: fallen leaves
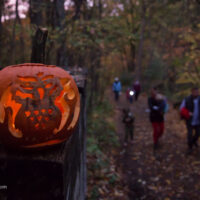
[
  {"x": 168, "y": 182},
  {"x": 167, "y": 174},
  {"x": 104, "y": 182}
]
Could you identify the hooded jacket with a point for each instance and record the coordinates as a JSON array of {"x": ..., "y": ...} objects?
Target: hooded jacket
[{"x": 156, "y": 109}]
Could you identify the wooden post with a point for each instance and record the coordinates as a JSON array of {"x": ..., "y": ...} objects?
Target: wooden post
[{"x": 38, "y": 46}]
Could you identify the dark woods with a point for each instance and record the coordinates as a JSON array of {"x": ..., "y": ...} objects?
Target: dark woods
[
  {"x": 72, "y": 42},
  {"x": 146, "y": 40}
]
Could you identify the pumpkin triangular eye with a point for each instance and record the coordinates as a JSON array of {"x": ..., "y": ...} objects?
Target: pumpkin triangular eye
[
  {"x": 36, "y": 112},
  {"x": 27, "y": 113}
]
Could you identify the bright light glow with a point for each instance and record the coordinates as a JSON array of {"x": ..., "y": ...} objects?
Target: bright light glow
[
  {"x": 131, "y": 93},
  {"x": 68, "y": 4}
]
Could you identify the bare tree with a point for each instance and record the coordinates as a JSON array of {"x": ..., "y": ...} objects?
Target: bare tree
[
  {"x": 1, "y": 26},
  {"x": 78, "y": 4},
  {"x": 60, "y": 23},
  {"x": 35, "y": 12},
  {"x": 141, "y": 40},
  {"x": 13, "y": 43}
]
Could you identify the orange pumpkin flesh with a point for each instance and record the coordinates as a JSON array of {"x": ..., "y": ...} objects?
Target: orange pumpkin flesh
[{"x": 39, "y": 105}]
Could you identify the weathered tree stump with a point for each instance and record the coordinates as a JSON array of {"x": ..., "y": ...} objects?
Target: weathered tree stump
[
  {"x": 38, "y": 45},
  {"x": 56, "y": 173}
]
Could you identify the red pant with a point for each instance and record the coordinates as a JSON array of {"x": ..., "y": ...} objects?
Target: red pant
[{"x": 158, "y": 129}]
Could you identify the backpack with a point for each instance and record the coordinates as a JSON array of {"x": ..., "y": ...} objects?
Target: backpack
[
  {"x": 184, "y": 113},
  {"x": 166, "y": 108},
  {"x": 117, "y": 86}
]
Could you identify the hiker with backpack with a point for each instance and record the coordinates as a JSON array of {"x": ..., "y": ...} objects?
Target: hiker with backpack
[
  {"x": 137, "y": 89},
  {"x": 116, "y": 88},
  {"x": 190, "y": 112},
  {"x": 157, "y": 105},
  {"x": 130, "y": 95}
]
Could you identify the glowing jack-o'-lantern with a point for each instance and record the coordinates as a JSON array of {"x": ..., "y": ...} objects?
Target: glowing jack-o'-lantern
[{"x": 39, "y": 105}]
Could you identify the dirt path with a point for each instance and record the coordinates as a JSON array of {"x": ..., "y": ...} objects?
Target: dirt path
[{"x": 168, "y": 174}]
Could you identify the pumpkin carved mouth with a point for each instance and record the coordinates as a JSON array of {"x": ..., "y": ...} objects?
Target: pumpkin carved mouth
[{"x": 45, "y": 103}]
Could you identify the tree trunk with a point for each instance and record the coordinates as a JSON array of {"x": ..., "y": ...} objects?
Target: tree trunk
[
  {"x": 78, "y": 5},
  {"x": 21, "y": 37},
  {"x": 60, "y": 22},
  {"x": 91, "y": 93},
  {"x": 1, "y": 27},
  {"x": 35, "y": 12},
  {"x": 100, "y": 7},
  {"x": 12, "y": 43},
  {"x": 38, "y": 42},
  {"x": 59, "y": 13},
  {"x": 141, "y": 41},
  {"x": 131, "y": 60}
]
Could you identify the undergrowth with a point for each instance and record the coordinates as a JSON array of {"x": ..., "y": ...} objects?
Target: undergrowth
[{"x": 102, "y": 142}]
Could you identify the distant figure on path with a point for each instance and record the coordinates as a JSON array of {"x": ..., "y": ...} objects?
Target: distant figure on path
[
  {"x": 116, "y": 88},
  {"x": 190, "y": 111},
  {"x": 128, "y": 121},
  {"x": 137, "y": 89},
  {"x": 157, "y": 106},
  {"x": 130, "y": 95}
]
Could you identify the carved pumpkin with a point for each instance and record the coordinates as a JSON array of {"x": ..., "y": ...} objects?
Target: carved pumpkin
[{"x": 39, "y": 105}]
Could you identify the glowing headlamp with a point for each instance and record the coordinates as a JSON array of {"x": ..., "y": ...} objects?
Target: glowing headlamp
[{"x": 131, "y": 93}]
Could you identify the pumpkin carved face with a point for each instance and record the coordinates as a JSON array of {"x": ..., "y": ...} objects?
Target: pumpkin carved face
[{"x": 39, "y": 105}]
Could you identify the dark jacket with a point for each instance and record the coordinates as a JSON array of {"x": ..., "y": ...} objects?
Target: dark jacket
[
  {"x": 156, "y": 115},
  {"x": 137, "y": 87},
  {"x": 128, "y": 120},
  {"x": 189, "y": 104}
]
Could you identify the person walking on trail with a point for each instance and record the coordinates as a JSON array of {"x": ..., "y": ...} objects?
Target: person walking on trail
[
  {"x": 128, "y": 121},
  {"x": 130, "y": 95},
  {"x": 157, "y": 106},
  {"x": 190, "y": 111},
  {"x": 137, "y": 89},
  {"x": 116, "y": 88}
]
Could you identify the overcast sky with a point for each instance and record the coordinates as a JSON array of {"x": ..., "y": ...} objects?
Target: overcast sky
[{"x": 23, "y": 7}]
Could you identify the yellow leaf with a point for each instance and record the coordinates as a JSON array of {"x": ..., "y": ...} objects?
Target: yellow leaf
[{"x": 135, "y": 158}]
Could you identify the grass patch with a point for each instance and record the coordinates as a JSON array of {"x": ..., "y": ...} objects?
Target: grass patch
[{"x": 102, "y": 141}]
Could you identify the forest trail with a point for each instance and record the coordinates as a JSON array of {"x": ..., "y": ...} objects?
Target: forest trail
[{"x": 168, "y": 174}]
